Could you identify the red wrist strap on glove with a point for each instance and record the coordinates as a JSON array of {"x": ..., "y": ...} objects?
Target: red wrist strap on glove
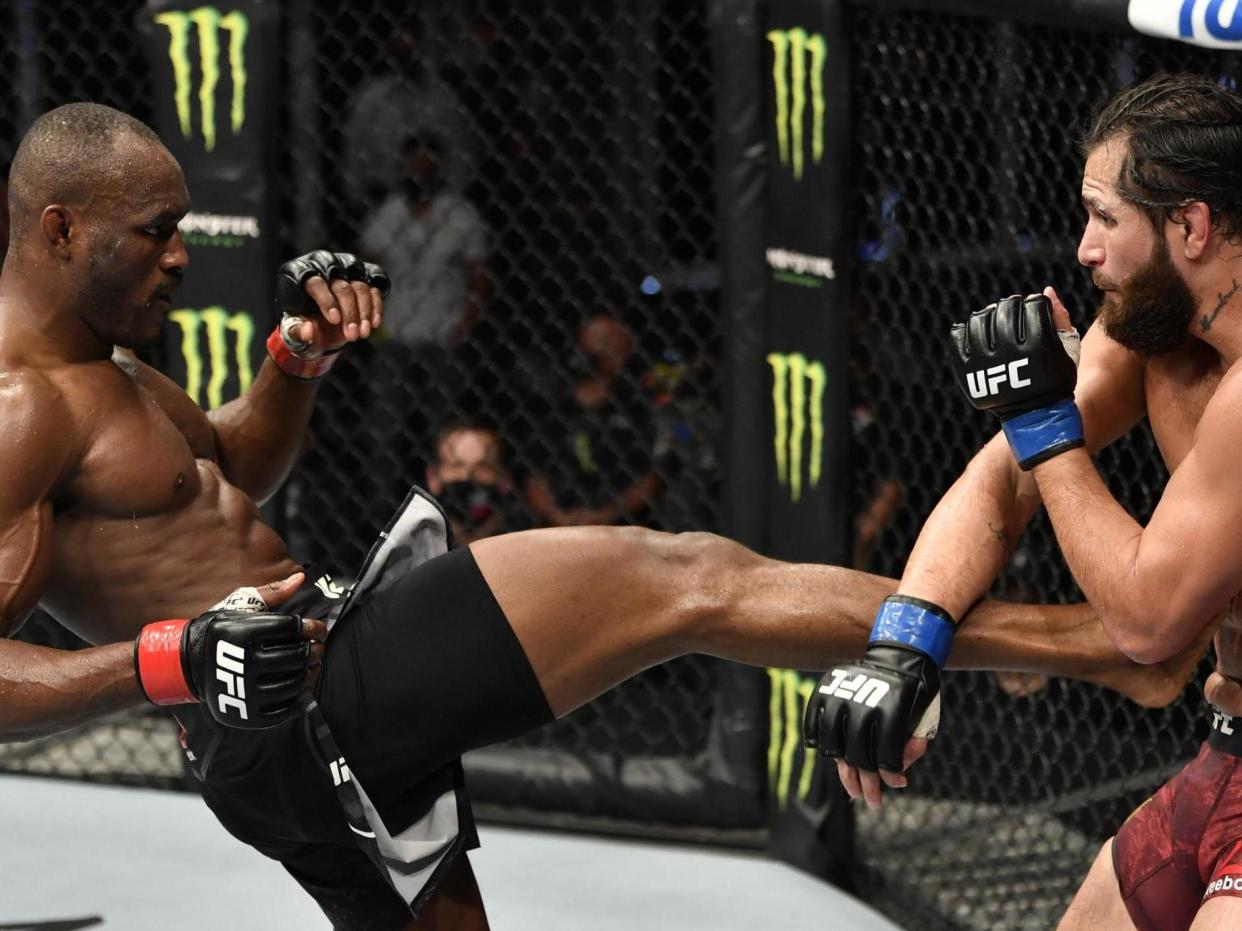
[
  {"x": 291, "y": 363},
  {"x": 157, "y": 657}
]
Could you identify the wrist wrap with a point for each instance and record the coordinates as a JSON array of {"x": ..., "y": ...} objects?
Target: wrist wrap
[
  {"x": 157, "y": 661},
  {"x": 917, "y": 624},
  {"x": 291, "y": 363},
  {"x": 1038, "y": 435}
]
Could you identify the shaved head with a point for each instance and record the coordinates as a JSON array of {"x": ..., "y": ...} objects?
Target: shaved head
[
  {"x": 94, "y": 205},
  {"x": 69, "y": 155}
]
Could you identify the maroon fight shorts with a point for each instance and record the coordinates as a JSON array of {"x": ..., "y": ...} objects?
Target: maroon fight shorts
[{"x": 1183, "y": 846}]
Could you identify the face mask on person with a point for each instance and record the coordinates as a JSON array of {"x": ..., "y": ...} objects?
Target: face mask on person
[
  {"x": 421, "y": 189},
  {"x": 470, "y": 504}
]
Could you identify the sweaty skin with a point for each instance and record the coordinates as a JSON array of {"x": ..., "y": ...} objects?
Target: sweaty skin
[{"x": 123, "y": 503}]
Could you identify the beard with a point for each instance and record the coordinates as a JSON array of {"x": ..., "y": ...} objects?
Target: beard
[{"x": 1151, "y": 311}]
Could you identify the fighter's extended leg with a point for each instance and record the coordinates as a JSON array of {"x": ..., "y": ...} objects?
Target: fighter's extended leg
[
  {"x": 456, "y": 905},
  {"x": 1219, "y": 914},
  {"x": 1097, "y": 906},
  {"x": 594, "y": 605}
]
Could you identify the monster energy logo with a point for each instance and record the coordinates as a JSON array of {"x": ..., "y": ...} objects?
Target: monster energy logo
[
  {"x": 787, "y": 705},
  {"x": 209, "y": 23},
  {"x": 797, "y": 396},
  {"x": 214, "y": 324},
  {"x": 790, "y": 76}
]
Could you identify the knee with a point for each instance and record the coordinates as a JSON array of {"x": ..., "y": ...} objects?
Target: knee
[{"x": 703, "y": 573}]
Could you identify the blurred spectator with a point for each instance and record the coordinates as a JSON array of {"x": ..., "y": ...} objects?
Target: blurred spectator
[
  {"x": 469, "y": 478},
  {"x": 882, "y": 494},
  {"x": 407, "y": 98},
  {"x": 434, "y": 245},
  {"x": 601, "y": 431}
]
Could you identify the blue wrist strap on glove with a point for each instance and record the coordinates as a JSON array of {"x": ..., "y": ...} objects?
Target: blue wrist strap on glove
[
  {"x": 917, "y": 624},
  {"x": 1040, "y": 434}
]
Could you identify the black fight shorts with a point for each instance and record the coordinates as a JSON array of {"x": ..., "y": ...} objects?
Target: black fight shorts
[{"x": 362, "y": 798}]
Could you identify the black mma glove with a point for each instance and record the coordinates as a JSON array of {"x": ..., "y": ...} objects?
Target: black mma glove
[
  {"x": 246, "y": 666},
  {"x": 866, "y": 711},
  {"x": 296, "y": 357},
  {"x": 1011, "y": 360}
]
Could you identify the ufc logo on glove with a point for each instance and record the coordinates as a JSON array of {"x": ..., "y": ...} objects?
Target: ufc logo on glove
[
  {"x": 860, "y": 688},
  {"x": 988, "y": 381},
  {"x": 230, "y": 670}
]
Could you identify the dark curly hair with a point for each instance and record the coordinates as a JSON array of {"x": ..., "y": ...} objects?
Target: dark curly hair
[{"x": 1184, "y": 135}]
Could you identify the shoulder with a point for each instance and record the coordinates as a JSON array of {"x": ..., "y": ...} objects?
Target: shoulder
[
  {"x": 1227, "y": 398},
  {"x": 39, "y": 433}
]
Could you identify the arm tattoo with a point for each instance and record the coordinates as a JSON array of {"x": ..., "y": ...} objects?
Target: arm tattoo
[
  {"x": 1206, "y": 321},
  {"x": 1000, "y": 534}
]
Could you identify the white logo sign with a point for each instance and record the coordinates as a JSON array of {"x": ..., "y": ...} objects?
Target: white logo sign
[
  {"x": 215, "y": 224},
  {"x": 230, "y": 667},
  {"x": 1222, "y": 722},
  {"x": 859, "y": 688},
  {"x": 1212, "y": 23},
  {"x": 786, "y": 260},
  {"x": 987, "y": 381},
  {"x": 329, "y": 588},
  {"x": 340, "y": 771}
]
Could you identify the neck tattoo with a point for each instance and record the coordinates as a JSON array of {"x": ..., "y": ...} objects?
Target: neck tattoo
[{"x": 1206, "y": 321}]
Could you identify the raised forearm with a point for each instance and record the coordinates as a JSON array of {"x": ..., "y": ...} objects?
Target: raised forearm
[
  {"x": 260, "y": 434},
  {"x": 1101, "y": 545},
  {"x": 969, "y": 536},
  {"x": 45, "y": 691}
]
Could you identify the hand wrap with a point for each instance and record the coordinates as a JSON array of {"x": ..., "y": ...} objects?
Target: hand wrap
[{"x": 296, "y": 357}]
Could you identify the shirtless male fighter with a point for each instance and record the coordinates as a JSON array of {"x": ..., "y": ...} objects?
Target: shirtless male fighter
[
  {"x": 122, "y": 504},
  {"x": 1162, "y": 188}
]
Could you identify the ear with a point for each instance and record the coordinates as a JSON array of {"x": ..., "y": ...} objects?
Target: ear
[
  {"x": 1194, "y": 229},
  {"x": 434, "y": 485},
  {"x": 57, "y": 225}
]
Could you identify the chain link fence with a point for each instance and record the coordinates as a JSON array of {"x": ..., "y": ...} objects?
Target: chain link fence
[
  {"x": 549, "y": 167},
  {"x": 538, "y": 180},
  {"x": 967, "y": 190}
]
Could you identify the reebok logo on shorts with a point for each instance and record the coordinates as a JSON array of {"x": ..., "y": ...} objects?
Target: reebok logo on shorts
[
  {"x": 859, "y": 688},
  {"x": 1229, "y": 883}
]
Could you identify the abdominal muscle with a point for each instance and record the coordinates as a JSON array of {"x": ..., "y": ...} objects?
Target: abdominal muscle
[{"x": 112, "y": 574}]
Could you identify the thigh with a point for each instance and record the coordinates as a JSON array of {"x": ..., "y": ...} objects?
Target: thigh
[
  {"x": 593, "y": 606},
  {"x": 456, "y": 904},
  {"x": 1097, "y": 906},
  {"x": 427, "y": 669},
  {"x": 346, "y": 885},
  {"x": 1223, "y": 913}
]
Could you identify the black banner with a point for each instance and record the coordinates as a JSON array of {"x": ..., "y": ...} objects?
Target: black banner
[
  {"x": 214, "y": 95},
  {"x": 807, "y": 345},
  {"x": 807, "y": 256}
]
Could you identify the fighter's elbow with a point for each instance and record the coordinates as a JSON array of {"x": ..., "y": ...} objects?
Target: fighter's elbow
[{"x": 1149, "y": 638}]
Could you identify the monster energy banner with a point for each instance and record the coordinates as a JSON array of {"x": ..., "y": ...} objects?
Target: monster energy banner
[
  {"x": 807, "y": 323},
  {"x": 213, "y": 94},
  {"x": 806, "y": 255}
]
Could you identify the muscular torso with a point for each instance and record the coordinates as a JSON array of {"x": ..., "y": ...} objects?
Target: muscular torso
[
  {"x": 145, "y": 525},
  {"x": 1178, "y": 388}
]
